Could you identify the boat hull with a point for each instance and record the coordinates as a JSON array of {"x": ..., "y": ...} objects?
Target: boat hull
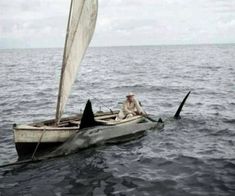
[
  {"x": 28, "y": 137},
  {"x": 26, "y": 149},
  {"x": 24, "y": 134}
]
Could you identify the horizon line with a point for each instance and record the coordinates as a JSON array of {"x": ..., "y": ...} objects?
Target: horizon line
[{"x": 138, "y": 45}]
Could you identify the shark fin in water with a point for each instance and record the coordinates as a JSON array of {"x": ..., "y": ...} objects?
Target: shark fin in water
[
  {"x": 88, "y": 118},
  {"x": 177, "y": 114}
]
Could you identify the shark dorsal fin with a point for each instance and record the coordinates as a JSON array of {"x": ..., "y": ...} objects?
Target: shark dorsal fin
[
  {"x": 88, "y": 118},
  {"x": 177, "y": 114}
]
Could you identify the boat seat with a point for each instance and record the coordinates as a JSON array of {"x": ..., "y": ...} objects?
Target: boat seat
[
  {"x": 105, "y": 117},
  {"x": 75, "y": 122}
]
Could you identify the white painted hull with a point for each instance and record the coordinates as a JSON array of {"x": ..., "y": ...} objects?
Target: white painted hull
[
  {"x": 32, "y": 135},
  {"x": 26, "y": 137}
]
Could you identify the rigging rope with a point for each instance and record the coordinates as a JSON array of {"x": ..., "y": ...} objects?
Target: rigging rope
[{"x": 99, "y": 102}]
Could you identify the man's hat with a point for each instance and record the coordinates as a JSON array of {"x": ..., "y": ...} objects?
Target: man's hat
[{"x": 130, "y": 94}]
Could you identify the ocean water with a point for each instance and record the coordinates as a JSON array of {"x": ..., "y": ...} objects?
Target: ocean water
[{"x": 191, "y": 156}]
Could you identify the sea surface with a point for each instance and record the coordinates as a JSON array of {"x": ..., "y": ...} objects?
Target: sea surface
[{"x": 191, "y": 156}]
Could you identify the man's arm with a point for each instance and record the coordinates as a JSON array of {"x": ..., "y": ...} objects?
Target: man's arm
[{"x": 138, "y": 107}]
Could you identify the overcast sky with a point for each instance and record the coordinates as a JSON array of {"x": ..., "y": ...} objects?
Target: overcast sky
[{"x": 42, "y": 23}]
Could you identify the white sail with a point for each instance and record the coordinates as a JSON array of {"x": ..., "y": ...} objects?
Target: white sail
[{"x": 81, "y": 26}]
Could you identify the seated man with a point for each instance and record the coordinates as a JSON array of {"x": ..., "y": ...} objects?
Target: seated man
[{"x": 130, "y": 107}]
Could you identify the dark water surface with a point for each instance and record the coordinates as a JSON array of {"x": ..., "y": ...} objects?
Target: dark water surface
[{"x": 193, "y": 156}]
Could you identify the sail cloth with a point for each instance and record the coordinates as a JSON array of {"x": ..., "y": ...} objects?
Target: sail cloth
[{"x": 81, "y": 26}]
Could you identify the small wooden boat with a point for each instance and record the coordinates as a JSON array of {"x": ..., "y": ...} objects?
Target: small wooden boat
[{"x": 50, "y": 135}]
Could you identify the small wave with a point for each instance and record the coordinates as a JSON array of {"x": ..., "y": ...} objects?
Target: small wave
[
  {"x": 230, "y": 121},
  {"x": 223, "y": 132}
]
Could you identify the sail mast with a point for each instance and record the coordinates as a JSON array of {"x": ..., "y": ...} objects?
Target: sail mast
[{"x": 63, "y": 66}]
